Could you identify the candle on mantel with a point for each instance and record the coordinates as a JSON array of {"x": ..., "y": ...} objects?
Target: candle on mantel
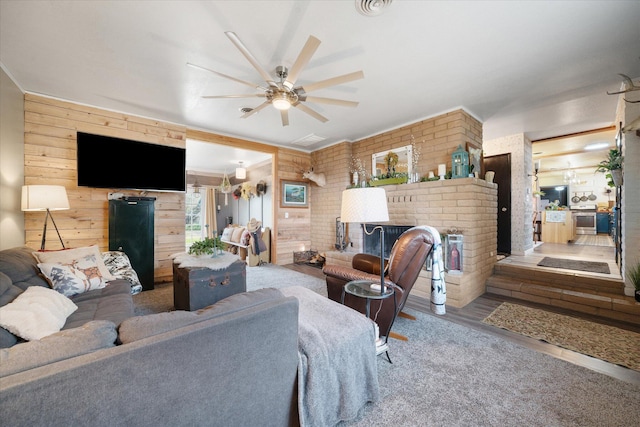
[{"x": 442, "y": 170}]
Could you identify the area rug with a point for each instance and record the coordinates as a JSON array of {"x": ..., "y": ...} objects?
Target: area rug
[
  {"x": 572, "y": 264},
  {"x": 604, "y": 342}
]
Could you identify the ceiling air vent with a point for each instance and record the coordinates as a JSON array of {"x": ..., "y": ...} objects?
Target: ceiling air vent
[
  {"x": 310, "y": 139},
  {"x": 371, "y": 7}
]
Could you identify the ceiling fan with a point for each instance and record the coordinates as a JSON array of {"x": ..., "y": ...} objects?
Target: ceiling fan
[{"x": 283, "y": 94}]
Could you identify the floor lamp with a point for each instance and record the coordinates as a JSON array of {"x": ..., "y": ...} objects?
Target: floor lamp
[
  {"x": 368, "y": 204},
  {"x": 45, "y": 198}
]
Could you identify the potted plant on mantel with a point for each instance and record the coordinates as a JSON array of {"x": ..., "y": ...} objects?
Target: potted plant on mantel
[{"x": 613, "y": 166}]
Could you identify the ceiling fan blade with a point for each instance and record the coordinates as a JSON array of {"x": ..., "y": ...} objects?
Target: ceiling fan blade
[
  {"x": 253, "y": 95},
  {"x": 284, "y": 115},
  {"x": 332, "y": 101},
  {"x": 252, "y": 59},
  {"x": 302, "y": 60},
  {"x": 357, "y": 75},
  {"x": 255, "y": 110},
  {"x": 311, "y": 112},
  {"x": 253, "y": 85}
]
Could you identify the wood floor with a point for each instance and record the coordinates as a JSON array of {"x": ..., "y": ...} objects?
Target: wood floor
[
  {"x": 472, "y": 314},
  {"x": 574, "y": 251}
]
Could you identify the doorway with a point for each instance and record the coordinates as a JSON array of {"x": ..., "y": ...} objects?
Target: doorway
[{"x": 501, "y": 165}]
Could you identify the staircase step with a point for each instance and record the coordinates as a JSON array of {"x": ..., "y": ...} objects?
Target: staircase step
[
  {"x": 596, "y": 302},
  {"x": 572, "y": 281}
]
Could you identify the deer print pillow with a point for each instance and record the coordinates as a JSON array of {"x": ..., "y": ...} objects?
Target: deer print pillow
[{"x": 74, "y": 277}]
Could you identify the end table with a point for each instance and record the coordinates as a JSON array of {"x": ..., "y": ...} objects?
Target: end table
[{"x": 363, "y": 289}]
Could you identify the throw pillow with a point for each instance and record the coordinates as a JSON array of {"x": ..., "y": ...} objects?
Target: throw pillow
[
  {"x": 36, "y": 313},
  {"x": 120, "y": 267},
  {"x": 80, "y": 276},
  {"x": 67, "y": 256},
  {"x": 227, "y": 233},
  {"x": 237, "y": 234},
  {"x": 66, "y": 344}
]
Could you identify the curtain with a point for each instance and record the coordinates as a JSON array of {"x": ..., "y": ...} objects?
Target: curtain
[{"x": 210, "y": 211}]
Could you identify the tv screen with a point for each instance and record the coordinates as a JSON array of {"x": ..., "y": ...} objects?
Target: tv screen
[{"x": 107, "y": 162}]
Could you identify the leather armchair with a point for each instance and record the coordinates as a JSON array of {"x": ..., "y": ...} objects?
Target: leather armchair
[{"x": 408, "y": 256}]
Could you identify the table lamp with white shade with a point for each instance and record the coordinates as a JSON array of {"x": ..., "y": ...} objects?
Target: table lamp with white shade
[
  {"x": 45, "y": 198},
  {"x": 368, "y": 204}
]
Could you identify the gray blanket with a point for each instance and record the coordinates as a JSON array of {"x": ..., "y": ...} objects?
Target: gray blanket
[{"x": 337, "y": 369}]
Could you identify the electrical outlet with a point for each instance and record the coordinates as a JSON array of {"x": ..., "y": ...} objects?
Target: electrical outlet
[{"x": 286, "y": 215}]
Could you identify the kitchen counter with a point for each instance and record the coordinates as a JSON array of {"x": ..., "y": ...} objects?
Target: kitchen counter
[{"x": 558, "y": 226}]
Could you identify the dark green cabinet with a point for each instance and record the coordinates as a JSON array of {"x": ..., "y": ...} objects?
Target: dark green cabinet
[{"x": 131, "y": 230}]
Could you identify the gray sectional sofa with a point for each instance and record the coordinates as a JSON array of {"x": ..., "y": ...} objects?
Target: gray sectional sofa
[{"x": 233, "y": 363}]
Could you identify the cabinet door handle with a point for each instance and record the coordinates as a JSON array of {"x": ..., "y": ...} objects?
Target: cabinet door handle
[{"x": 504, "y": 209}]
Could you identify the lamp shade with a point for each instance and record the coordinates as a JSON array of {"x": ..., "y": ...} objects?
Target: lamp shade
[
  {"x": 363, "y": 205},
  {"x": 43, "y": 197},
  {"x": 241, "y": 173}
]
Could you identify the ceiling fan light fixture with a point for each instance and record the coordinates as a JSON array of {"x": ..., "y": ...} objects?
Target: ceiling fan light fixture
[{"x": 280, "y": 101}]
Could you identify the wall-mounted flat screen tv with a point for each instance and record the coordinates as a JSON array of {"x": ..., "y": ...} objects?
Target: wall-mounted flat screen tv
[{"x": 107, "y": 162}]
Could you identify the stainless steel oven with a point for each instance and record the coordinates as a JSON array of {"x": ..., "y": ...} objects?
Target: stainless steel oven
[{"x": 585, "y": 220}]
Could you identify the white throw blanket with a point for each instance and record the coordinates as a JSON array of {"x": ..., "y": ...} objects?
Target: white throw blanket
[
  {"x": 219, "y": 262},
  {"x": 438, "y": 286},
  {"x": 337, "y": 367}
]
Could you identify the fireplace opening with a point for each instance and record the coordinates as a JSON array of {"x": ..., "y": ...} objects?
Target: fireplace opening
[{"x": 371, "y": 243}]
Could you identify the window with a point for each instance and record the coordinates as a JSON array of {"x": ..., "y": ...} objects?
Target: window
[{"x": 194, "y": 217}]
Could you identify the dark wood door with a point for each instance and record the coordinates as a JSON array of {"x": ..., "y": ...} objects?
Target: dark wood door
[{"x": 501, "y": 165}]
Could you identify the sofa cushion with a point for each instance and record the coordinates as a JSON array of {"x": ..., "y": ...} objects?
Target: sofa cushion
[
  {"x": 36, "y": 313},
  {"x": 137, "y": 328},
  {"x": 79, "y": 276},
  {"x": 21, "y": 267},
  {"x": 59, "y": 346},
  {"x": 70, "y": 256},
  {"x": 113, "y": 303}
]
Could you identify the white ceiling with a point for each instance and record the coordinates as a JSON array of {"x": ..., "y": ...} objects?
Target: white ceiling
[{"x": 541, "y": 68}]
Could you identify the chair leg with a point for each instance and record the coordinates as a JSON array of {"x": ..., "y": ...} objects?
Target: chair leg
[
  {"x": 398, "y": 336},
  {"x": 406, "y": 316}
]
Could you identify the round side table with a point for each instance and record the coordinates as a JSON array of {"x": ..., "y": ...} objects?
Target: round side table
[{"x": 362, "y": 289}]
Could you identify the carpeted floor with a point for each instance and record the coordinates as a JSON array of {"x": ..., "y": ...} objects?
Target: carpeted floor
[
  {"x": 451, "y": 375},
  {"x": 604, "y": 342},
  {"x": 572, "y": 264}
]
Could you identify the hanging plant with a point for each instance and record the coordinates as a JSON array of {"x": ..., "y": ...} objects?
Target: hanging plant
[{"x": 225, "y": 186}]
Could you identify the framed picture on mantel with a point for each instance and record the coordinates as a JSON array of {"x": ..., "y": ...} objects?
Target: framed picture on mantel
[{"x": 294, "y": 194}]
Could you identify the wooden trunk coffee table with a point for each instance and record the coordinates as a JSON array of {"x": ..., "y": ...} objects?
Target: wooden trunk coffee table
[{"x": 198, "y": 287}]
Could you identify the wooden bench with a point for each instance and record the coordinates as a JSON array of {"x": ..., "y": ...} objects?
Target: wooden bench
[{"x": 244, "y": 251}]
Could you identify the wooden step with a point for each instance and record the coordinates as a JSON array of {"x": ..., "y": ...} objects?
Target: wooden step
[
  {"x": 563, "y": 279},
  {"x": 595, "y": 296}
]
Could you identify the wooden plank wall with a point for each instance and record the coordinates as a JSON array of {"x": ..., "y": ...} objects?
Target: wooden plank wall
[
  {"x": 50, "y": 158},
  {"x": 293, "y": 231}
]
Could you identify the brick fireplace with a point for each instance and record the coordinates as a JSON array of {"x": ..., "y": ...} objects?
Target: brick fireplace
[{"x": 467, "y": 204}]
